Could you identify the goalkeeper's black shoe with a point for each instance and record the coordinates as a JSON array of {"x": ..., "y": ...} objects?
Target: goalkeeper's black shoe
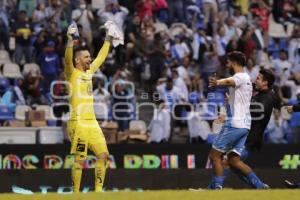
[{"x": 291, "y": 185}]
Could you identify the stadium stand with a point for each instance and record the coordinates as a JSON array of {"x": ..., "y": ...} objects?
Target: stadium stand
[{"x": 191, "y": 37}]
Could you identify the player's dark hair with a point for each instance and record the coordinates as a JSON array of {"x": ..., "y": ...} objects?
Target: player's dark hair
[
  {"x": 268, "y": 75},
  {"x": 77, "y": 50},
  {"x": 237, "y": 57}
]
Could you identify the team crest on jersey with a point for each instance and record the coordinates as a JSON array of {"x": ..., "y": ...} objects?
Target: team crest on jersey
[{"x": 89, "y": 89}]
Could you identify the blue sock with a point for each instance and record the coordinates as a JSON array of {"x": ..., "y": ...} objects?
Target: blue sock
[
  {"x": 242, "y": 177},
  {"x": 216, "y": 181},
  {"x": 255, "y": 181},
  {"x": 211, "y": 184}
]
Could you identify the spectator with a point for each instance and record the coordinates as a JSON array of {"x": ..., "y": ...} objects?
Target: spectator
[
  {"x": 199, "y": 129},
  {"x": 121, "y": 107},
  {"x": 246, "y": 44},
  {"x": 52, "y": 33},
  {"x": 222, "y": 40},
  {"x": 295, "y": 120},
  {"x": 54, "y": 12},
  {"x": 239, "y": 19},
  {"x": 113, "y": 12},
  {"x": 294, "y": 50},
  {"x": 84, "y": 17},
  {"x": 50, "y": 65},
  {"x": 170, "y": 93},
  {"x": 161, "y": 10},
  {"x": 160, "y": 125},
  {"x": 175, "y": 11},
  {"x": 4, "y": 26},
  {"x": 179, "y": 83},
  {"x": 18, "y": 91},
  {"x": 28, "y": 6},
  {"x": 39, "y": 17},
  {"x": 133, "y": 29},
  {"x": 195, "y": 90},
  {"x": 193, "y": 69},
  {"x": 209, "y": 61},
  {"x": 179, "y": 50},
  {"x": 231, "y": 31},
  {"x": 6, "y": 95},
  {"x": 182, "y": 69},
  {"x": 194, "y": 17},
  {"x": 22, "y": 30},
  {"x": 274, "y": 132},
  {"x": 282, "y": 66},
  {"x": 199, "y": 38},
  {"x": 156, "y": 56},
  {"x": 101, "y": 96},
  {"x": 252, "y": 69},
  {"x": 33, "y": 89},
  {"x": 144, "y": 8},
  {"x": 260, "y": 9},
  {"x": 39, "y": 44},
  {"x": 210, "y": 9},
  {"x": 132, "y": 35}
]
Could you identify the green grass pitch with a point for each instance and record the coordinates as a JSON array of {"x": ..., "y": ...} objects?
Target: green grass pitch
[{"x": 226, "y": 194}]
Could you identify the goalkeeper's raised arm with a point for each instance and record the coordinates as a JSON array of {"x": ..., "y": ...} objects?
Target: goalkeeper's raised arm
[
  {"x": 80, "y": 57},
  {"x": 69, "y": 51},
  {"x": 101, "y": 55}
]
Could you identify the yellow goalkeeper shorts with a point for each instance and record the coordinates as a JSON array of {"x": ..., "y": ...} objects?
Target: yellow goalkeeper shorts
[{"x": 86, "y": 134}]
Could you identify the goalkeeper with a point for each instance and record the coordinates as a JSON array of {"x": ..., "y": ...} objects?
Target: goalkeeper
[{"x": 82, "y": 126}]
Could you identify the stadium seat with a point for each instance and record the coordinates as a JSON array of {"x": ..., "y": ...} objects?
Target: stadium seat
[
  {"x": 138, "y": 125},
  {"x": 4, "y": 55},
  {"x": 20, "y": 111},
  {"x": 11, "y": 70},
  {"x": 5, "y": 113},
  {"x": 48, "y": 111},
  {"x": 272, "y": 45},
  {"x": 30, "y": 67},
  {"x": 283, "y": 44},
  {"x": 2, "y": 62}
]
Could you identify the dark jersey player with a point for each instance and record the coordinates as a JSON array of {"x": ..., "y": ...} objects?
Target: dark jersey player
[{"x": 261, "y": 108}]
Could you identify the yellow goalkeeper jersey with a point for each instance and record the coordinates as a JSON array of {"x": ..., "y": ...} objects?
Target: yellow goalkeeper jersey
[{"x": 80, "y": 84}]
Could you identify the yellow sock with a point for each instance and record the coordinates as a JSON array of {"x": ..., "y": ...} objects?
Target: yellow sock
[
  {"x": 100, "y": 170},
  {"x": 76, "y": 176}
]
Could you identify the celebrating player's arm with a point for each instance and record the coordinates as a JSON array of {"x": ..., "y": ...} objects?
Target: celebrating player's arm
[
  {"x": 213, "y": 82},
  {"x": 95, "y": 65},
  {"x": 69, "y": 51}
]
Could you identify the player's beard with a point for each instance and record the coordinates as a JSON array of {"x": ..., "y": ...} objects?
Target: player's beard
[{"x": 87, "y": 65}]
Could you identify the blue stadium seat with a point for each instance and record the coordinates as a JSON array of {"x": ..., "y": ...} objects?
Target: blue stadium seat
[
  {"x": 283, "y": 44},
  {"x": 5, "y": 113}
]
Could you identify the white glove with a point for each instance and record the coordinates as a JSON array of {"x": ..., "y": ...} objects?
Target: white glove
[
  {"x": 115, "y": 33},
  {"x": 71, "y": 31}
]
